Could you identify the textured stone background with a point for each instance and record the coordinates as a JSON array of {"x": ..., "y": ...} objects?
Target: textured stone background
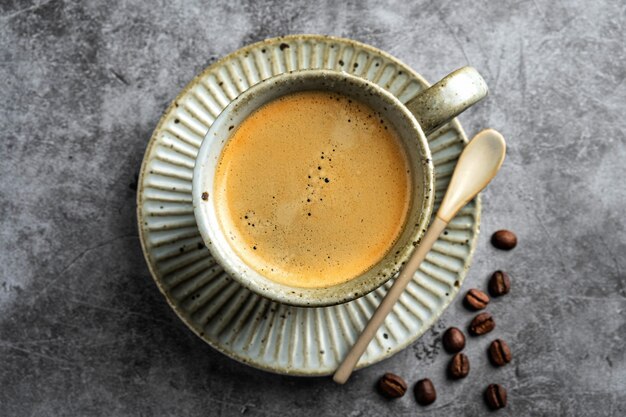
[{"x": 83, "y": 329}]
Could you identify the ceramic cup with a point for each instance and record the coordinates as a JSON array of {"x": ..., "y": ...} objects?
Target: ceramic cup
[{"x": 423, "y": 114}]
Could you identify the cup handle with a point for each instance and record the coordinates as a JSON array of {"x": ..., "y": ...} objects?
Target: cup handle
[{"x": 451, "y": 96}]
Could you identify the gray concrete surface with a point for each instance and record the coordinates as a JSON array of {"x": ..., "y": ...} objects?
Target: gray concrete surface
[{"x": 83, "y": 329}]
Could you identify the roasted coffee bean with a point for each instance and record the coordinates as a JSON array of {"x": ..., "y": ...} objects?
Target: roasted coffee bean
[
  {"x": 499, "y": 283},
  {"x": 495, "y": 396},
  {"x": 392, "y": 386},
  {"x": 476, "y": 299},
  {"x": 425, "y": 393},
  {"x": 504, "y": 239},
  {"x": 499, "y": 352},
  {"x": 459, "y": 366},
  {"x": 482, "y": 324},
  {"x": 453, "y": 340}
]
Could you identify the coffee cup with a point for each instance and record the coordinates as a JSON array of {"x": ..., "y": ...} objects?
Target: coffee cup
[{"x": 273, "y": 232}]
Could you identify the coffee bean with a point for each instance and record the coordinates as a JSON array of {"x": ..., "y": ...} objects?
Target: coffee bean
[
  {"x": 482, "y": 324},
  {"x": 476, "y": 299},
  {"x": 495, "y": 396},
  {"x": 499, "y": 283},
  {"x": 504, "y": 239},
  {"x": 459, "y": 366},
  {"x": 425, "y": 393},
  {"x": 392, "y": 386},
  {"x": 453, "y": 340},
  {"x": 499, "y": 352}
]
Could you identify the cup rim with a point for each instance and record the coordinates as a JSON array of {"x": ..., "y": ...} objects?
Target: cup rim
[{"x": 251, "y": 279}]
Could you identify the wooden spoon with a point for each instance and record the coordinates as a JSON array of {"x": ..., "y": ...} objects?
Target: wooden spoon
[{"x": 478, "y": 164}]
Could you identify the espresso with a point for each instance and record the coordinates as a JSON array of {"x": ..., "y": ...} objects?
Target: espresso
[{"x": 313, "y": 189}]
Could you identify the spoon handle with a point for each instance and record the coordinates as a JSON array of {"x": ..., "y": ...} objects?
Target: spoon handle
[{"x": 347, "y": 366}]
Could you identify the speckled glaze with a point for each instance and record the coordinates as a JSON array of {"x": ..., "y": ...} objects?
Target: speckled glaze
[
  {"x": 231, "y": 318},
  {"x": 375, "y": 97}
]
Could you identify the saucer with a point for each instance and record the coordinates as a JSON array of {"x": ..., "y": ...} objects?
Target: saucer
[{"x": 245, "y": 326}]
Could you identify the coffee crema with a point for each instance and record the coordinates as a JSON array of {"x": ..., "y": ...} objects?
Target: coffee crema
[{"x": 313, "y": 189}]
